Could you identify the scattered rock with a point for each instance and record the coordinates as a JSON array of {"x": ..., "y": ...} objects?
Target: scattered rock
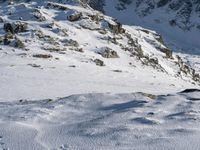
[
  {"x": 42, "y": 56},
  {"x": 168, "y": 52},
  {"x": 97, "y": 18},
  {"x": 16, "y": 27},
  {"x": 56, "y": 6},
  {"x": 151, "y": 96},
  {"x": 18, "y": 44},
  {"x": 8, "y": 37},
  {"x": 70, "y": 42},
  {"x": 38, "y": 15},
  {"x": 72, "y": 66},
  {"x": 99, "y": 62},
  {"x": 34, "y": 65},
  {"x": 117, "y": 70},
  {"x": 108, "y": 53},
  {"x": 116, "y": 27},
  {"x": 74, "y": 15}
]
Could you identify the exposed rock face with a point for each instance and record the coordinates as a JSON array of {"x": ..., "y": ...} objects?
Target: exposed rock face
[
  {"x": 116, "y": 27},
  {"x": 182, "y": 10}
]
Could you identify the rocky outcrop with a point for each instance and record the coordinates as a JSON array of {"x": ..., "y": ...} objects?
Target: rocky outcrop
[
  {"x": 116, "y": 27},
  {"x": 15, "y": 27},
  {"x": 108, "y": 53},
  {"x": 73, "y": 15}
]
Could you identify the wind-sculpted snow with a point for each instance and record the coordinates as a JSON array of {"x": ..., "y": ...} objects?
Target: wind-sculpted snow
[{"x": 137, "y": 121}]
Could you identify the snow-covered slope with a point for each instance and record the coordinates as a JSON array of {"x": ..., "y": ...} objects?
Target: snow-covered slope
[
  {"x": 135, "y": 121},
  {"x": 53, "y": 50},
  {"x": 63, "y": 66},
  {"x": 177, "y": 20}
]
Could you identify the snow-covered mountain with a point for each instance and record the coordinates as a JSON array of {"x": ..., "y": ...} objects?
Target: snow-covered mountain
[
  {"x": 48, "y": 45},
  {"x": 177, "y": 20},
  {"x": 65, "y": 48}
]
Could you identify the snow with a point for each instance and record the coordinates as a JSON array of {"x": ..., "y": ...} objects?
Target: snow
[
  {"x": 66, "y": 101},
  {"x": 102, "y": 121},
  {"x": 158, "y": 20}
]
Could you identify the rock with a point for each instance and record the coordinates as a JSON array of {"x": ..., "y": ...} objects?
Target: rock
[
  {"x": 56, "y": 6},
  {"x": 99, "y": 62},
  {"x": 1, "y": 39},
  {"x": 8, "y": 38},
  {"x": 70, "y": 42},
  {"x": 97, "y": 18},
  {"x": 108, "y": 53},
  {"x": 1, "y": 20},
  {"x": 38, "y": 15},
  {"x": 74, "y": 15},
  {"x": 8, "y": 28},
  {"x": 168, "y": 52},
  {"x": 19, "y": 44},
  {"x": 34, "y": 65},
  {"x": 42, "y": 56},
  {"x": 20, "y": 27},
  {"x": 153, "y": 61},
  {"x": 15, "y": 27},
  {"x": 116, "y": 27}
]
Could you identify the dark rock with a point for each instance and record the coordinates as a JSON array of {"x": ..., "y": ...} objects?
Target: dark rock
[
  {"x": 99, "y": 62},
  {"x": 116, "y": 28},
  {"x": 42, "y": 56},
  {"x": 8, "y": 28},
  {"x": 15, "y": 27}
]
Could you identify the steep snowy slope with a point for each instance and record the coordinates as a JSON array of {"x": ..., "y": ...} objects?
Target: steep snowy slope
[
  {"x": 53, "y": 50},
  {"x": 177, "y": 20}
]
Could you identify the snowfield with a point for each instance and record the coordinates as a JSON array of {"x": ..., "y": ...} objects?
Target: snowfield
[
  {"x": 74, "y": 78},
  {"x": 103, "y": 121}
]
